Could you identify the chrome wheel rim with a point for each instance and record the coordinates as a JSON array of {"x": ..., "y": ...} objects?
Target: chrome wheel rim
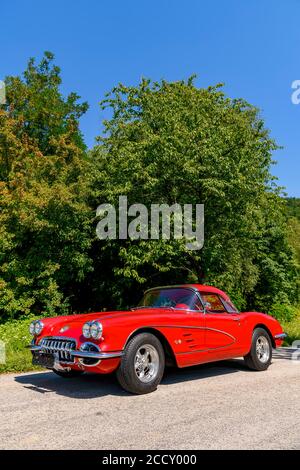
[
  {"x": 262, "y": 349},
  {"x": 146, "y": 363}
]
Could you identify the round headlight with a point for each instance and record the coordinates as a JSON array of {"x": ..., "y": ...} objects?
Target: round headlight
[
  {"x": 38, "y": 326},
  {"x": 86, "y": 330},
  {"x": 31, "y": 328},
  {"x": 96, "y": 330}
]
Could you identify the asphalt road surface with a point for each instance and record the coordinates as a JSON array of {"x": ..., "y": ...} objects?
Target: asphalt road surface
[{"x": 215, "y": 406}]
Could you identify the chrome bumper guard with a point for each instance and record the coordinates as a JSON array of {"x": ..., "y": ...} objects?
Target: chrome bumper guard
[
  {"x": 95, "y": 355},
  {"x": 84, "y": 354},
  {"x": 280, "y": 336}
]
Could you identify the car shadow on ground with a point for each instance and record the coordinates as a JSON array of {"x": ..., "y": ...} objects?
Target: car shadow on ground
[
  {"x": 96, "y": 385},
  {"x": 84, "y": 386},
  {"x": 203, "y": 371}
]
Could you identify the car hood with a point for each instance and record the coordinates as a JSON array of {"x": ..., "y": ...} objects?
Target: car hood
[
  {"x": 62, "y": 324},
  {"x": 72, "y": 324}
]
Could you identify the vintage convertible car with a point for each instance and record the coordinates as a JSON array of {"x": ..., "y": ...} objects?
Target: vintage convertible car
[{"x": 178, "y": 325}]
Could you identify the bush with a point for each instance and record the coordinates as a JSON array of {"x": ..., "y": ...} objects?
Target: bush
[
  {"x": 283, "y": 312},
  {"x": 15, "y": 335},
  {"x": 292, "y": 329}
]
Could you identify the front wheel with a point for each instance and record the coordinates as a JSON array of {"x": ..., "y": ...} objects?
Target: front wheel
[
  {"x": 142, "y": 365},
  {"x": 260, "y": 355}
]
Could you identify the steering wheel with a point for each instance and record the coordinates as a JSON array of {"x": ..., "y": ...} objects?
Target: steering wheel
[{"x": 181, "y": 305}]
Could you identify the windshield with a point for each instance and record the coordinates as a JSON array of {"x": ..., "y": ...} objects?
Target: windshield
[{"x": 177, "y": 297}]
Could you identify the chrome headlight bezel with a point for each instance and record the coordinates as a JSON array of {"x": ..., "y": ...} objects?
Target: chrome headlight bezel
[
  {"x": 96, "y": 330},
  {"x": 32, "y": 328},
  {"x": 86, "y": 330},
  {"x": 36, "y": 327},
  {"x": 92, "y": 330}
]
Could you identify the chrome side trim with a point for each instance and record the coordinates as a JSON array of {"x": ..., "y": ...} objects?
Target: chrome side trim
[
  {"x": 191, "y": 328},
  {"x": 206, "y": 329},
  {"x": 203, "y": 350},
  {"x": 280, "y": 336},
  {"x": 158, "y": 327}
]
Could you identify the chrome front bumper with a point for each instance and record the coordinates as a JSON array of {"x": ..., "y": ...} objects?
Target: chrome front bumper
[
  {"x": 280, "y": 336},
  {"x": 82, "y": 354},
  {"x": 97, "y": 355}
]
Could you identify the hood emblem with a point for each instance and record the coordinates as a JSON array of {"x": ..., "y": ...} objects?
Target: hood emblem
[{"x": 64, "y": 328}]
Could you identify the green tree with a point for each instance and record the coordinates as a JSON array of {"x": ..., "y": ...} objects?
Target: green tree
[
  {"x": 293, "y": 207},
  {"x": 165, "y": 143},
  {"x": 44, "y": 189},
  {"x": 174, "y": 142},
  {"x": 46, "y": 114},
  {"x": 294, "y": 235}
]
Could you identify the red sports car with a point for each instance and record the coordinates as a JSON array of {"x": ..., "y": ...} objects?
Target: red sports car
[{"x": 179, "y": 325}]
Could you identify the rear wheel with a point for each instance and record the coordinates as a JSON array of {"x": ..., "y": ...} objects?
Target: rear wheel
[
  {"x": 260, "y": 355},
  {"x": 142, "y": 365},
  {"x": 68, "y": 374}
]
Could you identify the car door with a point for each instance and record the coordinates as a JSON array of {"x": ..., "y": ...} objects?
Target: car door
[
  {"x": 223, "y": 328},
  {"x": 189, "y": 343}
]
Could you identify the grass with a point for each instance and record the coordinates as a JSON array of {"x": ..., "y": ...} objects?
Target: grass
[
  {"x": 292, "y": 328},
  {"x": 15, "y": 335}
]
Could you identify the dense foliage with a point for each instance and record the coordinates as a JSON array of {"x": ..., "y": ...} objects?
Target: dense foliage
[
  {"x": 44, "y": 192},
  {"x": 164, "y": 143},
  {"x": 173, "y": 142},
  {"x": 16, "y": 337},
  {"x": 293, "y": 228},
  {"x": 293, "y": 207}
]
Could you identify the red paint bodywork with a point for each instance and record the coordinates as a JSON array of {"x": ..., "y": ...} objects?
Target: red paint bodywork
[{"x": 192, "y": 337}]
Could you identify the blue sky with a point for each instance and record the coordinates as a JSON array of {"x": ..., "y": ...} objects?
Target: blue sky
[{"x": 253, "y": 47}]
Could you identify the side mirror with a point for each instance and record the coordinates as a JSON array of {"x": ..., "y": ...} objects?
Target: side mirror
[{"x": 207, "y": 306}]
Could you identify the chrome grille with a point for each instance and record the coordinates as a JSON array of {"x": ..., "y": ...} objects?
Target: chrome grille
[{"x": 61, "y": 346}]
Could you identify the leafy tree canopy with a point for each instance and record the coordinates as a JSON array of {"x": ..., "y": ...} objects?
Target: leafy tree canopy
[
  {"x": 44, "y": 216},
  {"x": 293, "y": 207},
  {"x": 164, "y": 143},
  {"x": 173, "y": 142}
]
